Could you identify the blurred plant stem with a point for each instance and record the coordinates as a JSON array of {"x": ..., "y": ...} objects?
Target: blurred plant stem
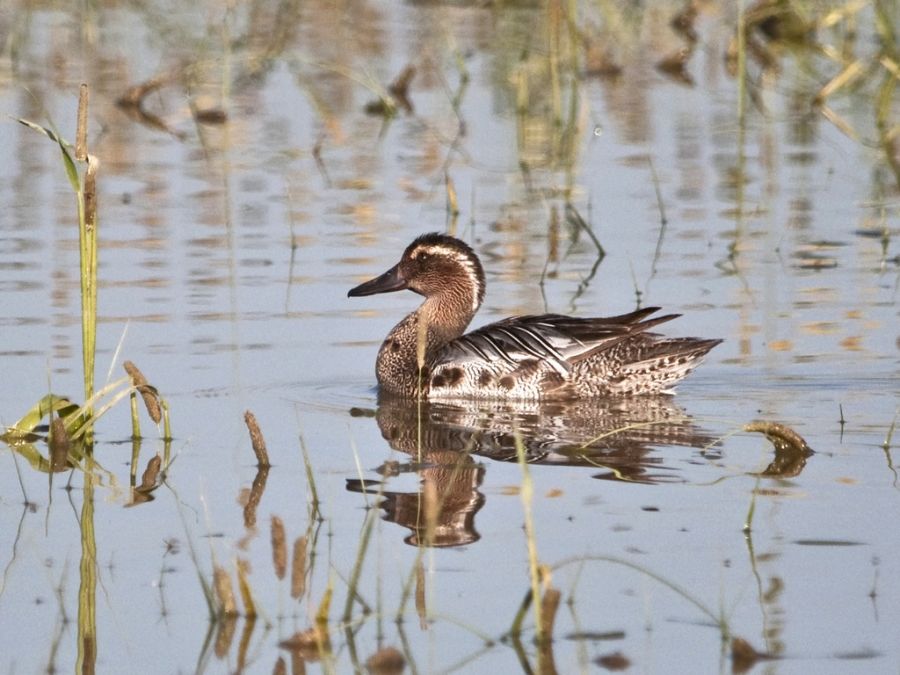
[{"x": 87, "y": 590}]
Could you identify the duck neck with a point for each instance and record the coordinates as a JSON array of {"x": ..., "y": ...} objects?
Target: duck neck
[{"x": 406, "y": 355}]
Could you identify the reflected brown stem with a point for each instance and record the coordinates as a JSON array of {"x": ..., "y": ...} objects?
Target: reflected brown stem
[
  {"x": 549, "y": 606},
  {"x": 225, "y": 635},
  {"x": 244, "y": 645},
  {"x": 256, "y": 493}
]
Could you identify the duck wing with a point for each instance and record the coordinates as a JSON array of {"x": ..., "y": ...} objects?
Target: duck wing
[
  {"x": 557, "y": 340},
  {"x": 529, "y": 356}
]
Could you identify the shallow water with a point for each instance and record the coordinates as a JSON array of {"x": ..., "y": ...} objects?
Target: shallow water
[{"x": 226, "y": 254}]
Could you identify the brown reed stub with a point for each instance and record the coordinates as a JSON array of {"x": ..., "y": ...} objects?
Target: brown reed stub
[
  {"x": 224, "y": 591},
  {"x": 782, "y": 437},
  {"x": 148, "y": 479},
  {"x": 147, "y": 392},
  {"x": 386, "y": 661},
  {"x": 59, "y": 444},
  {"x": 280, "y": 667},
  {"x": 257, "y": 440},
  {"x": 90, "y": 193},
  {"x": 298, "y": 568},
  {"x": 279, "y": 547},
  {"x": 81, "y": 151}
]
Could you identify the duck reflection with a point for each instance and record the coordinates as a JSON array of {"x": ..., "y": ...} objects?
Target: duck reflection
[{"x": 617, "y": 436}]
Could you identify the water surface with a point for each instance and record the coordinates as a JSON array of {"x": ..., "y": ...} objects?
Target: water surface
[{"x": 226, "y": 252}]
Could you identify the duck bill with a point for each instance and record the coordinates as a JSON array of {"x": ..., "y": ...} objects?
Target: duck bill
[{"x": 390, "y": 281}]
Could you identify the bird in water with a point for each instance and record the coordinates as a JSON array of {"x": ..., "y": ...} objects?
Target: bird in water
[{"x": 536, "y": 357}]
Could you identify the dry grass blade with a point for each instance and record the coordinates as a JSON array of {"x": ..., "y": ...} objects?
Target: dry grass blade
[
  {"x": 842, "y": 125},
  {"x": 421, "y": 606},
  {"x": 243, "y": 569},
  {"x": 257, "y": 440},
  {"x": 279, "y": 547},
  {"x": 224, "y": 592},
  {"x": 298, "y": 568},
  {"x": 452, "y": 202},
  {"x": 851, "y": 72},
  {"x": 280, "y": 667},
  {"x": 147, "y": 392}
]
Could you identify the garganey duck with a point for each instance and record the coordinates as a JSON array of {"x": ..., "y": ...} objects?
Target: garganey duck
[{"x": 541, "y": 357}]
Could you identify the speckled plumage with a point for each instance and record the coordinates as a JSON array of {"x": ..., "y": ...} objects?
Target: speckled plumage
[{"x": 545, "y": 357}]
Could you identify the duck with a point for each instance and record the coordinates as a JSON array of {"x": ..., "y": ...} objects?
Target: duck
[{"x": 542, "y": 357}]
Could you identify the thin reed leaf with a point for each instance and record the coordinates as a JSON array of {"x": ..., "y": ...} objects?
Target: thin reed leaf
[
  {"x": 356, "y": 573},
  {"x": 311, "y": 482}
]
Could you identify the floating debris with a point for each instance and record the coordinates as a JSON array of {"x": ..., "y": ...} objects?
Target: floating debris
[
  {"x": 386, "y": 661},
  {"x": 211, "y": 116},
  {"x": 614, "y": 662}
]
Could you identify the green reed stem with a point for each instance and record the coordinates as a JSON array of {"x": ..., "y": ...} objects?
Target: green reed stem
[
  {"x": 135, "y": 420},
  {"x": 86, "y": 195}
]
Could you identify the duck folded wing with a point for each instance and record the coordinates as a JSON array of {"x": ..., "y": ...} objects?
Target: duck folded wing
[{"x": 559, "y": 341}]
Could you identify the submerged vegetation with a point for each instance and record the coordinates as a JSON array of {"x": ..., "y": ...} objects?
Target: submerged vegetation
[{"x": 336, "y": 583}]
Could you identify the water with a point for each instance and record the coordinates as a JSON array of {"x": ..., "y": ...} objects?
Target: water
[{"x": 226, "y": 254}]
